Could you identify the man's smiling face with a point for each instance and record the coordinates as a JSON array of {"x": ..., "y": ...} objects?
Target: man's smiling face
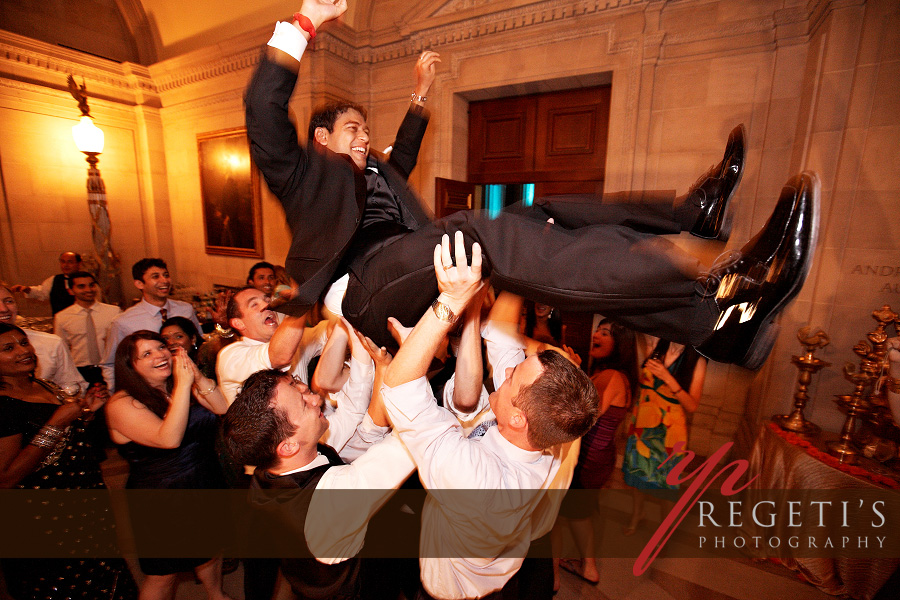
[{"x": 350, "y": 136}]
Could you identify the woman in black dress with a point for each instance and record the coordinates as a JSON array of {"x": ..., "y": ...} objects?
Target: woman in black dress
[
  {"x": 163, "y": 417},
  {"x": 43, "y": 446}
]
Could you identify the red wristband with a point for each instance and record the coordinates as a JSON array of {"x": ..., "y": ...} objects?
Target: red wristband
[{"x": 305, "y": 24}]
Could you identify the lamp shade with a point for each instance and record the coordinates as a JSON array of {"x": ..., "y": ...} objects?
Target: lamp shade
[{"x": 88, "y": 137}]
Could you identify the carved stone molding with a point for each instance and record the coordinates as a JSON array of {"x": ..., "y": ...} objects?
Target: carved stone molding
[
  {"x": 31, "y": 60},
  {"x": 239, "y": 61}
]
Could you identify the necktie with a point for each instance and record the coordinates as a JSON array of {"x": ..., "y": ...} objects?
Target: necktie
[
  {"x": 91, "y": 338},
  {"x": 482, "y": 429},
  {"x": 164, "y": 314}
]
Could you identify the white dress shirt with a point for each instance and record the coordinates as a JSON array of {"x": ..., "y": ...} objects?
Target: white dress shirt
[
  {"x": 71, "y": 325},
  {"x": 54, "y": 363},
  {"x": 336, "y": 522},
  {"x": 482, "y": 538},
  {"x": 42, "y": 291},
  {"x": 142, "y": 315}
]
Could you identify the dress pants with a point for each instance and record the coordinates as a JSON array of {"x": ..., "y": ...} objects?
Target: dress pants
[{"x": 602, "y": 257}]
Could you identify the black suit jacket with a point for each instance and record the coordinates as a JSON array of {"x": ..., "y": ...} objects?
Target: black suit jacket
[{"x": 323, "y": 193}]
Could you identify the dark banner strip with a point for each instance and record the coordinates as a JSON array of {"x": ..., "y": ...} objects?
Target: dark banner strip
[{"x": 200, "y": 523}]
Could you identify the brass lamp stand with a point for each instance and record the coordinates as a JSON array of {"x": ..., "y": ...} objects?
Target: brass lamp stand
[
  {"x": 808, "y": 365},
  {"x": 857, "y": 404}
]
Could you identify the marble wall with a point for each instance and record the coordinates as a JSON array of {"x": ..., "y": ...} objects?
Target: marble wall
[{"x": 814, "y": 82}]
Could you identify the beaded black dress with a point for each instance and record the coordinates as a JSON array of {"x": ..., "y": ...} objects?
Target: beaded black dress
[{"x": 72, "y": 466}]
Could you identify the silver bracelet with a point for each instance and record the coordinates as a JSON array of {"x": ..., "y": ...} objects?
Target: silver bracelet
[
  {"x": 414, "y": 97},
  {"x": 47, "y": 437},
  {"x": 209, "y": 391}
]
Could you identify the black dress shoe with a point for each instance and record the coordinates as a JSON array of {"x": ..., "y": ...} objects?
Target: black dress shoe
[
  {"x": 712, "y": 192},
  {"x": 760, "y": 280}
]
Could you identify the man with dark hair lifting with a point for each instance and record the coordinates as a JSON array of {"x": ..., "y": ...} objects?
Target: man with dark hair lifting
[
  {"x": 276, "y": 422},
  {"x": 600, "y": 256}
]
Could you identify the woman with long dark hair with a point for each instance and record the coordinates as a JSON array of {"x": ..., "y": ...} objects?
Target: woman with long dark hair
[
  {"x": 44, "y": 445},
  {"x": 670, "y": 385},
  {"x": 163, "y": 417},
  {"x": 614, "y": 374}
]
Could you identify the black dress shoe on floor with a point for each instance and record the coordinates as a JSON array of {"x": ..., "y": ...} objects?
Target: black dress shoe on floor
[
  {"x": 759, "y": 281},
  {"x": 712, "y": 192}
]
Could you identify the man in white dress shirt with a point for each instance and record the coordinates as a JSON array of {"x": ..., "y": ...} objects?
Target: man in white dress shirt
[
  {"x": 264, "y": 343},
  {"x": 151, "y": 277},
  {"x": 472, "y": 542},
  {"x": 54, "y": 361},
  {"x": 84, "y": 325}
]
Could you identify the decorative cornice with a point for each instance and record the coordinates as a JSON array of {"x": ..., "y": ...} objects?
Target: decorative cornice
[
  {"x": 50, "y": 64},
  {"x": 722, "y": 30},
  {"x": 245, "y": 59}
]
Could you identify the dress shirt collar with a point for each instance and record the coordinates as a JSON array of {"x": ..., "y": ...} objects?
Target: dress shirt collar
[
  {"x": 318, "y": 461},
  {"x": 81, "y": 309},
  {"x": 153, "y": 309},
  {"x": 513, "y": 452}
]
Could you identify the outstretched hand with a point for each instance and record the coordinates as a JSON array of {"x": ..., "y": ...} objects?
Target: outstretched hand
[
  {"x": 426, "y": 70},
  {"x": 322, "y": 11},
  {"x": 460, "y": 283}
]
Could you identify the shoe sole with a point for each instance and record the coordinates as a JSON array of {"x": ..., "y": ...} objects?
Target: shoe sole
[{"x": 765, "y": 337}]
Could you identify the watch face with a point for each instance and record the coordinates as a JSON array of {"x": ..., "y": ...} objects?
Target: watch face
[{"x": 443, "y": 312}]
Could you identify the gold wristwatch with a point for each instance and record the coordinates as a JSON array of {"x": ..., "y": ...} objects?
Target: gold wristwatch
[{"x": 443, "y": 312}]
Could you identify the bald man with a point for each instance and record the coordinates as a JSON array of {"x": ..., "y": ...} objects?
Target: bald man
[{"x": 56, "y": 287}]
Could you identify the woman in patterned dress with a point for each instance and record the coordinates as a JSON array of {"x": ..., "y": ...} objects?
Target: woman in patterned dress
[
  {"x": 670, "y": 385},
  {"x": 43, "y": 445}
]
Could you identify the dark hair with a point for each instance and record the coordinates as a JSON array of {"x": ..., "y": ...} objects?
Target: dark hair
[
  {"x": 143, "y": 265},
  {"x": 232, "y": 310},
  {"x": 326, "y": 115},
  {"x": 623, "y": 357},
  {"x": 189, "y": 328},
  {"x": 128, "y": 379},
  {"x": 260, "y": 265},
  {"x": 78, "y": 274},
  {"x": 6, "y": 287},
  {"x": 253, "y": 427},
  {"x": 554, "y": 322},
  {"x": 8, "y": 328},
  {"x": 684, "y": 372},
  {"x": 560, "y": 405},
  {"x": 77, "y": 256}
]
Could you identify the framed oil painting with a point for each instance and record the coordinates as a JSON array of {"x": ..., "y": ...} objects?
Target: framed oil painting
[{"x": 229, "y": 183}]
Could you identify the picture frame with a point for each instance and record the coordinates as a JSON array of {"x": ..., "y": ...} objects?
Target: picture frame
[{"x": 230, "y": 194}]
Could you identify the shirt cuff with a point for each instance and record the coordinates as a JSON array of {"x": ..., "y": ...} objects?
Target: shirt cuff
[
  {"x": 502, "y": 334},
  {"x": 288, "y": 39},
  {"x": 371, "y": 433},
  {"x": 408, "y": 400}
]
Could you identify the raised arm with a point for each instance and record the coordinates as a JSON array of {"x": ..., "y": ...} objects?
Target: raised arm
[
  {"x": 469, "y": 366},
  {"x": 405, "y": 150},
  {"x": 273, "y": 138},
  {"x": 458, "y": 285},
  {"x": 286, "y": 340}
]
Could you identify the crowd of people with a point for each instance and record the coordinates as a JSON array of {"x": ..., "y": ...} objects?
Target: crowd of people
[
  {"x": 166, "y": 408},
  {"x": 335, "y": 392}
]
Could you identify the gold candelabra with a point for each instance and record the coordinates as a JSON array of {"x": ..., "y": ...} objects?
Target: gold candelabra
[
  {"x": 808, "y": 365},
  {"x": 858, "y": 404}
]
